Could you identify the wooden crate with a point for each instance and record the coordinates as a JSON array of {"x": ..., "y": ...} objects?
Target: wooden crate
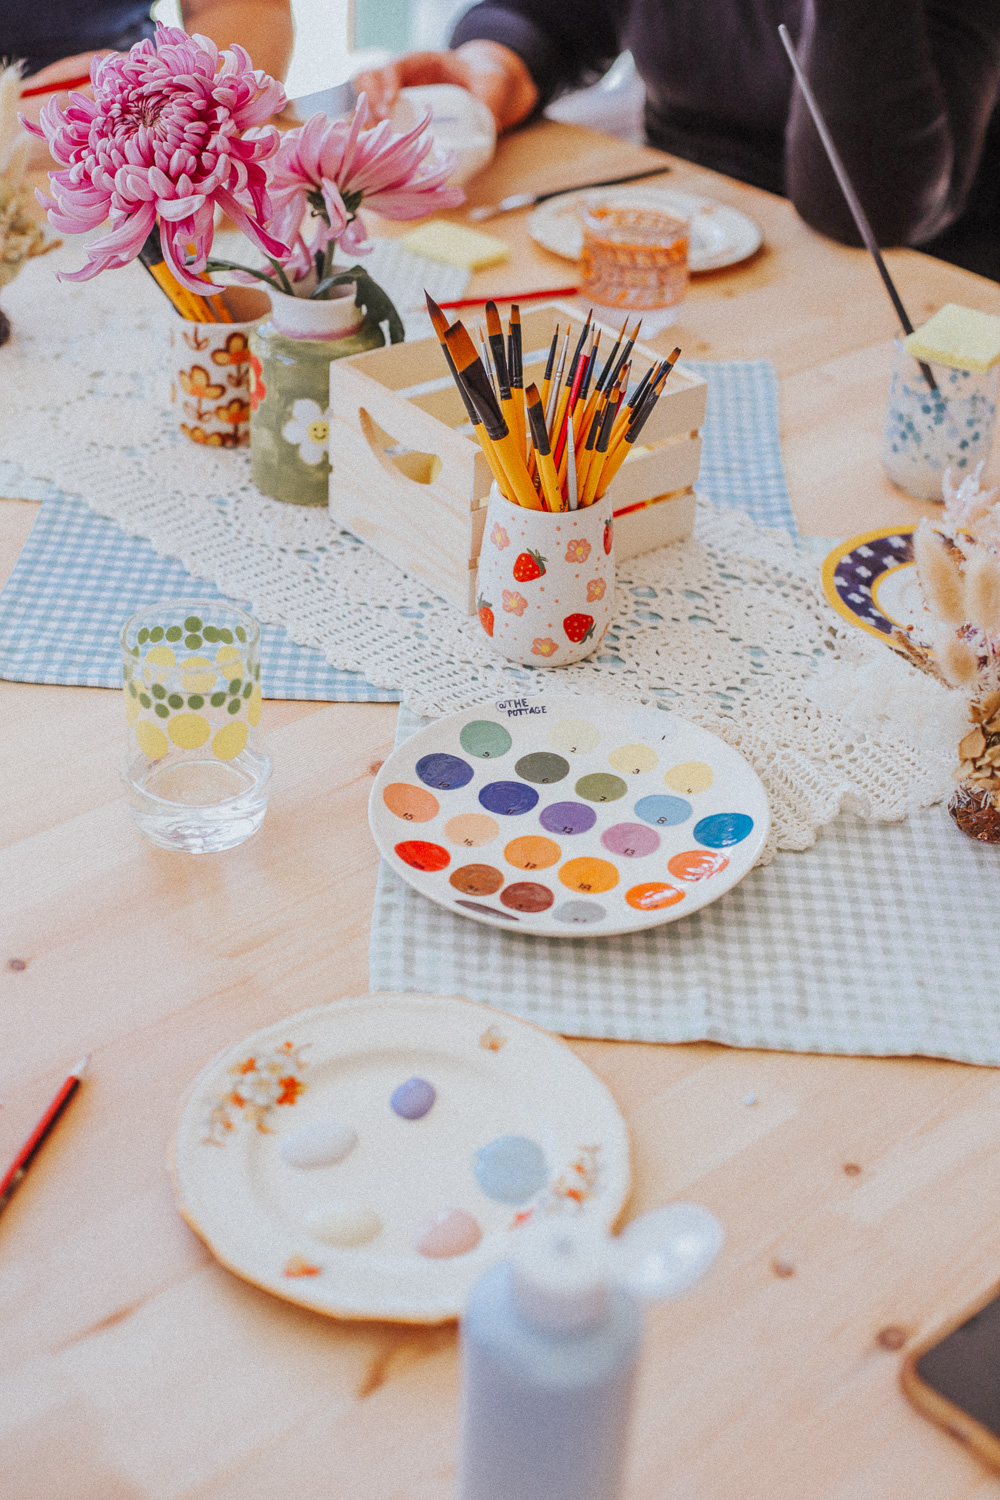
[{"x": 410, "y": 480}]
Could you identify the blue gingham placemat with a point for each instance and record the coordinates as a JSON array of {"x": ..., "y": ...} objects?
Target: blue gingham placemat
[
  {"x": 880, "y": 941},
  {"x": 741, "y": 464},
  {"x": 78, "y": 579}
]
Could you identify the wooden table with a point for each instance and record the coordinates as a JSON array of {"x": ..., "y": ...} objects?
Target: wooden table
[{"x": 860, "y": 1197}]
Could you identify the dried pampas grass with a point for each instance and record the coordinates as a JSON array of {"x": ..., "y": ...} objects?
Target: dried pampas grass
[
  {"x": 939, "y": 574},
  {"x": 958, "y": 661},
  {"x": 982, "y": 590}
]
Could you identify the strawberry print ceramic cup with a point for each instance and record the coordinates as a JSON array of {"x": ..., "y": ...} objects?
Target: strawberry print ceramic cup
[{"x": 546, "y": 585}]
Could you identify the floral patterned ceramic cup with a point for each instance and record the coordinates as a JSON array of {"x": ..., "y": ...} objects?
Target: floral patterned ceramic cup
[
  {"x": 546, "y": 585},
  {"x": 195, "y": 776},
  {"x": 210, "y": 372}
]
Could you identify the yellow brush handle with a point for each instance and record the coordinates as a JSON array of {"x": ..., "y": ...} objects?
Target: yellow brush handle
[
  {"x": 550, "y": 482},
  {"x": 610, "y": 469},
  {"x": 513, "y": 464}
]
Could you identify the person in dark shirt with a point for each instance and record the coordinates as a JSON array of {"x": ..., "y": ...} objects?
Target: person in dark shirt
[{"x": 909, "y": 88}]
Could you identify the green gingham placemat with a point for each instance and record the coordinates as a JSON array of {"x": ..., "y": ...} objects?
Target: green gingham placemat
[{"x": 880, "y": 940}]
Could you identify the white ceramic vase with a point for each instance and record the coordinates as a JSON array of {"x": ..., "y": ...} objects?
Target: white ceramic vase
[
  {"x": 302, "y": 318},
  {"x": 546, "y": 584}
]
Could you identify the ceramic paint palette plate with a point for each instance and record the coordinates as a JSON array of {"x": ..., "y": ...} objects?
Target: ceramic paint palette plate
[
  {"x": 720, "y": 236},
  {"x": 244, "y": 1187},
  {"x": 871, "y": 581},
  {"x": 568, "y": 816}
]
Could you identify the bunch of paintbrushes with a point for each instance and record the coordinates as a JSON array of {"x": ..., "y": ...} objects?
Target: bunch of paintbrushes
[{"x": 558, "y": 448}]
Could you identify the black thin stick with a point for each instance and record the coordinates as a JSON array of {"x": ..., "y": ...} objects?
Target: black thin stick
[{"x": 847, "y": 188}]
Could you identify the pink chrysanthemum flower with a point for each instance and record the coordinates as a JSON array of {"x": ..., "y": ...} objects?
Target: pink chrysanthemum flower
[
  {"x": 332, "y": 166},
  {"x": 172, "y": 130}
]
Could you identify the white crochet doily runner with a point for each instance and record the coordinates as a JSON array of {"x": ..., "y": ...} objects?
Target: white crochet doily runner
[{"x": 728, "y": 628}]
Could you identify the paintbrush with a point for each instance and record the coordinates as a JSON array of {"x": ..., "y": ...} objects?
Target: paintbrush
[
  {"x": 470, "y": 370},
  {"x": 542, "y": 450}
]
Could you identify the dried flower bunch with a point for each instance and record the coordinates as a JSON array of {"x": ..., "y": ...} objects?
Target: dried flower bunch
[{"x": 20, "y": 236}]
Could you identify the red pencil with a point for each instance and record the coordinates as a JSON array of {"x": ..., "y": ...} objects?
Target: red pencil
[
  {"x": 551, "y": 291},
  {"x": 15, "y": 1176},
  {"x": 57, "y": 88}
]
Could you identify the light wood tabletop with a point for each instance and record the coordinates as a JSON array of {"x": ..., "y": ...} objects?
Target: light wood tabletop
[{"x": 860, "y": 1197}]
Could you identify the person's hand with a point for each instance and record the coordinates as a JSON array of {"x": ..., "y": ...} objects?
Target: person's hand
[{"x": 493, "y": 73}]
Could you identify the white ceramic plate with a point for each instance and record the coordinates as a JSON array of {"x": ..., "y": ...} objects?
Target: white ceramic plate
[
  {"x": 568, "y": 816},
  {"x": 720, "y": 235},
  {"x": 494, "y": 1076}
]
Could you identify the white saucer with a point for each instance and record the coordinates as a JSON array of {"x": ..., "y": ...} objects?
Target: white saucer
[{"x": 720, "y": 236}]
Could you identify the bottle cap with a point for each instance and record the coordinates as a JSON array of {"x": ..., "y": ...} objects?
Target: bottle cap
[{"x": 561, "y": 1275}]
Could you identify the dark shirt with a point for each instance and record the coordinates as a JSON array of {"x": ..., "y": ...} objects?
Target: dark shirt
[
  {"x": 42, "y": 31},
  {"x": 909, "y": 88}
]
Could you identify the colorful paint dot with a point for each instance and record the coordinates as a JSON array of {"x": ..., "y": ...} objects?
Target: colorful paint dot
[
  {"x": 162, "y": 711},
  {"x": 511, "y": 1169},
  {"x": 723, "y": 829},
  {"x": 588, "y": 875},
  {"x": 527, "y": 896},
  {"x": 630, "y": 840},
  {"x": 344, "y": 1224},
  {"x": 225, "y": 635},
  {"x": 241, "y": 634},
  {"x": 472, "y": 830},
  {"x": 192, "y": 623},
  {"x": 450, "y": 1232},
  {"x": 413, "y": 1099},
  {"x": 574, "y": 736},
  {"x": 211, "y": 634},
  {"x": 175, "y": 701},
  {"x": 321, "y": 1144},
  {"x": 567, "y": 817},
  {"x": 696, "y": 864},
  {"x": 189, "y": 731},
  {"x": 217, "y": 700},
  {"x": 664, "y": 812},
  {"x": 421, "y": 856},
  {"x": 542, "y": 768},
  {"x": 508, "y": 798},
  {"x": 580, "y": 913},
  {"x": 632, "y": 760},
  {"x": 192, "y": 642},
  {"x": 156, "y": 634},
  {"x": 234, "y": 705},
  {"x": 532, "y": 853},
  {"x": 411, "y": 802},
  {"x": 600, "y": 787},
  {"x": 690, "y": 777},
  {"x": 174, "y": 633},
  {"x": 158, "y": 690},
  {"x": 653, "y": 895},
  {"x": 228, "y": 742},
  {"x": 485, "y": 739},
  {"x": 445, "y": 773},
  {"x": 152, "y": 741},
  {"x": 477, "y": 880}
]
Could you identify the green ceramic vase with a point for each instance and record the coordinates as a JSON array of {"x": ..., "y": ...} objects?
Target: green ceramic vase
[{"x": 290, "y": 392}]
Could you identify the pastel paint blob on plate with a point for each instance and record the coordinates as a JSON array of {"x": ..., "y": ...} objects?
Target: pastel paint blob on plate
[
  {"x": 532, "y": 853},
  {"x": 601, "y": 787},
  {"x": 696, "y": 864},
  {"x": 574, "y": 736},
  {"x": 411, "y": 802},
  {"x": 664, "y": 812},
  {"x": 345, "y": 1224},
  {"x": 633, "y": 812},
  {"x": 450, "y": 1232},
  {"x": 632, "y": 760},
  {"x": 511, "y": 1169},
  {"x": 723, "y": 830},
  {"x": 527, "y": 895},
  {"x": 471, "y": 830},
  {"x": 477, "y": 880},
  {"x": 543, "y": 768},
  {"x": 413, "y": 1099},
  {"x": 485, "y": 739},
  {"x": 690, "y": 777},
  {"x": 321, "y": 1144},
  {"x": 568, "y": 818},
  {"x": 445, "y": 773},
  {"x": 630, "y": 840},
  {"x": 510, "y": 799},
  {"x": 423, "y": 856}
]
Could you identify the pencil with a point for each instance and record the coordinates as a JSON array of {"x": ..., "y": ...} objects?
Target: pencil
[
  {"x": 192, "y": 308},
  {"x": 473, "y": 375},
  {"x": 10, "y": 1183}
]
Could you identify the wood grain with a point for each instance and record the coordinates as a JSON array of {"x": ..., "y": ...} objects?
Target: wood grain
[{"x": 859, "y": 1195}]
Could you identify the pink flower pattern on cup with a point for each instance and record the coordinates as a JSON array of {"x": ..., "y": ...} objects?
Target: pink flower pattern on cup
[
  {"x": 499, "y": 537},
  {"x": 513, "y": 602},
  {"x": 544, "y": 646},
  {"x": 578, "y": 550},
  {"x": 596, "y": 589}
]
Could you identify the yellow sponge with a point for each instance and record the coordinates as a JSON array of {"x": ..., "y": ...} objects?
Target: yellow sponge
[
  {"x": 455, "y": 245},
  {"x": 959, "y": 337}
]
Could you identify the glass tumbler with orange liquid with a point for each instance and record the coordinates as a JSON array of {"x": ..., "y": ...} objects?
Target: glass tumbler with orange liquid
[{"x": 633, "y": 258}]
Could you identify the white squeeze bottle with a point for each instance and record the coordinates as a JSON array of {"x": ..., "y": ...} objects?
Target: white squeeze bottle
[{"x": 549, "y": 1343}]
